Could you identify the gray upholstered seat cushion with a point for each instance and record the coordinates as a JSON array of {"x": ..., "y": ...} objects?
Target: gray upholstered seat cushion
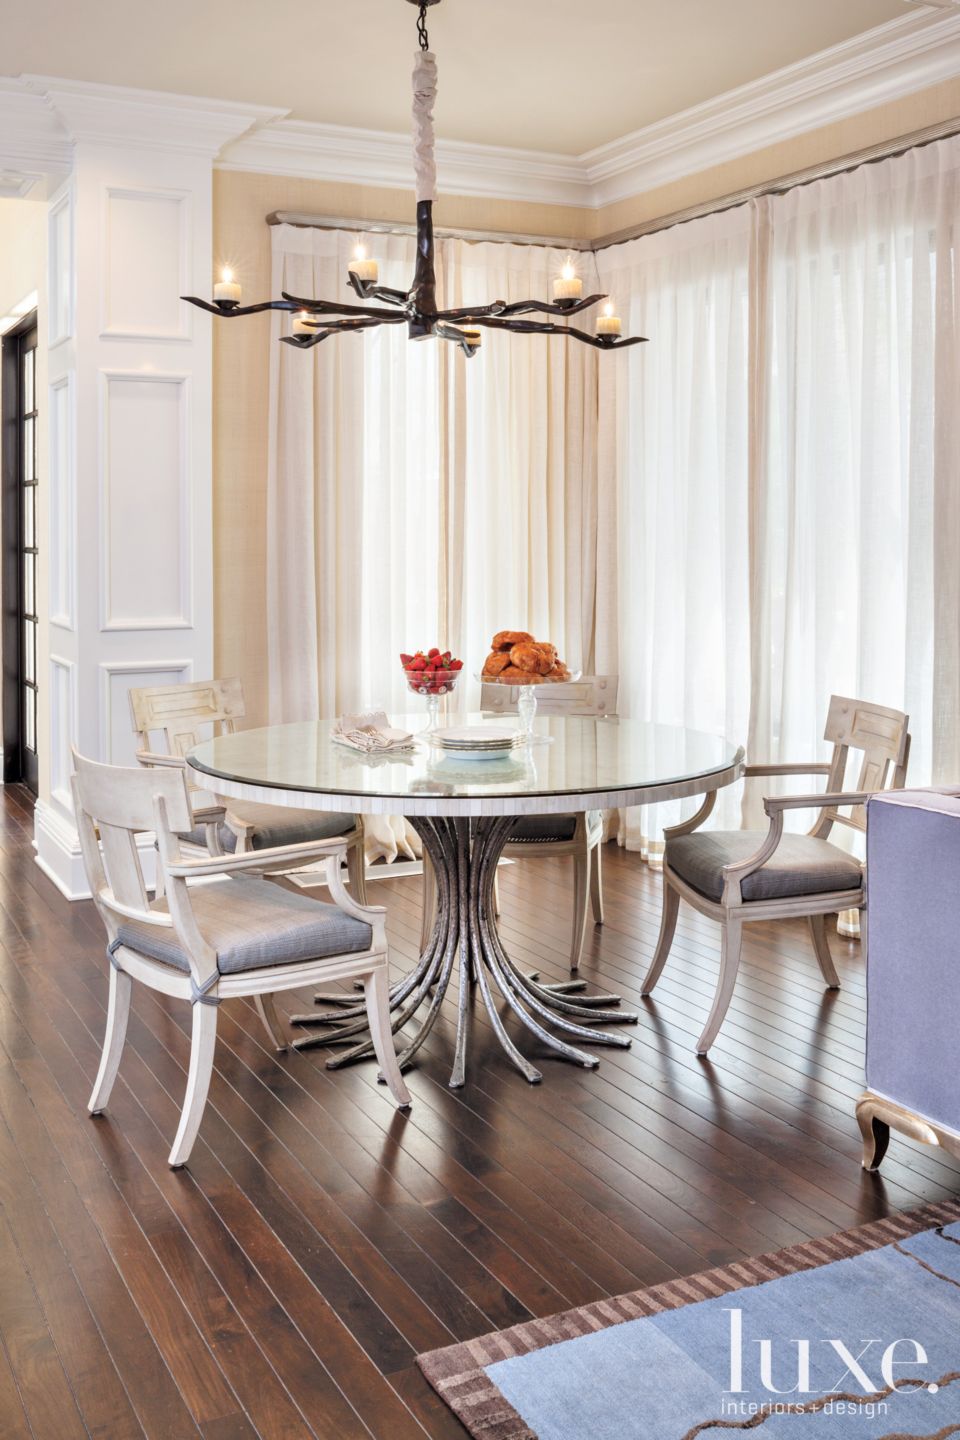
[
  {"x": 800, "y": 865},
  {"x": 252, "y": 923},
  {"x": 531, "y": 828},
  {"x": 278, "y": 825}
]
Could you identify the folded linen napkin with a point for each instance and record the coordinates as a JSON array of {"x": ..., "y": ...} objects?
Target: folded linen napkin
[{"x": 371, "y": 733}]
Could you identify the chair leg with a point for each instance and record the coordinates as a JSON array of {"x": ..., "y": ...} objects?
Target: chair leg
[
  {"x": 376, "y": 991},
  {"x": 668, "y": 924},
  {"x": 581, "y": 888},
  {"x": 202, "y": 1044},
  {"x": 267, "y": 1010},
  {"x": 596, "y": 884},
  {"x": 429, "y": 901},
  {"x": 357, "y": 872},
  {"x": 821, "y": 946},
  {"x": 118, "y": 1010},
  {"x": 731, "y": 937}
]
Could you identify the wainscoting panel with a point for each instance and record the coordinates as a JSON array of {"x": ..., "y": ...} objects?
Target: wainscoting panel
[
  {"x": 145, "y": 502},
  {"x": 63, "y": 503},
  {"x": 60, "y": 268},
  {"x": 63, "y": 728},
  {"x": 146, "y": 264}
]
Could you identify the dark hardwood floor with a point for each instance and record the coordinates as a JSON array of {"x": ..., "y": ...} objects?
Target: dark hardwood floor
[{"x": 283, "y": 1284}]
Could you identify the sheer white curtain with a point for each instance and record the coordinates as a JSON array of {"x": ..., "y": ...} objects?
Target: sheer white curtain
[
  {"x": 858, "y": 495},
  {"x": 674, "y": 422}
]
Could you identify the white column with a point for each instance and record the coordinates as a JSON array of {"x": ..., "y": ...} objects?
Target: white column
[{"x": 126, "y": 534}]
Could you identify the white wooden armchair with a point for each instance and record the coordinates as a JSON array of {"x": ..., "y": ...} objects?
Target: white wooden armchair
[
  {"x": 577, "y": 836},
  {"x": 186, "y": 714},
  {"x": 736, "y": 876},
  {"x": 209, "y": 943}
]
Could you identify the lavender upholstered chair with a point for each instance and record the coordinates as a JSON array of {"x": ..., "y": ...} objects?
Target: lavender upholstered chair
[{"x": 913, "y": 971}]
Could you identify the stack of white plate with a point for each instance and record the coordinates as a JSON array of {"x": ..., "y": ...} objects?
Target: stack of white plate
[{"x": 476, "y": 742}]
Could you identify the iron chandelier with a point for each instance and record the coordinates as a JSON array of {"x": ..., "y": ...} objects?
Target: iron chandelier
[{"x": 417, "y": 307}]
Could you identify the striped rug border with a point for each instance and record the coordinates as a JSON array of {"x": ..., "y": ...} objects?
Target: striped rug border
[{"x": 458, "y": 1376}]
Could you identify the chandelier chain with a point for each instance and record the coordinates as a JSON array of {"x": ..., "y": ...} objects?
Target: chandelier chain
[{"x": 422, "y": 29}]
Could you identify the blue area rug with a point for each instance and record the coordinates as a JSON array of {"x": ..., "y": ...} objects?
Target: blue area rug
[{"x": 856, "y": 1335}]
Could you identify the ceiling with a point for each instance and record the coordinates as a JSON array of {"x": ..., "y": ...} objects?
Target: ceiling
[{"x": 556, "y": 75}]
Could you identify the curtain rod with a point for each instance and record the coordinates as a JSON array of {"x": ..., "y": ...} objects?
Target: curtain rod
[
  {"x": 885, "y": 150},
  {"x": 400, "y": 227},
  {"x": 871, "y": 154}
]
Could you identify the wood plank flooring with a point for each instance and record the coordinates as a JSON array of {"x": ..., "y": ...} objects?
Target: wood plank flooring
[{"x": 282, "y": 1286}]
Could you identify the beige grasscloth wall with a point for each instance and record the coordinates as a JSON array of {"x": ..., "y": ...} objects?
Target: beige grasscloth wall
[{"x": 242, "y": 240}]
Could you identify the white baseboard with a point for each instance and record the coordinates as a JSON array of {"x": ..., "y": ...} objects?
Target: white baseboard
[{"x": 57, "y": 847}]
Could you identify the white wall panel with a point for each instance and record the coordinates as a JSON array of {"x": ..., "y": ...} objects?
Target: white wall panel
[
  {"x": 61, "y": 268},
  {"x": 145, "y": 502},
  {"x": 118, "y": 745},
  {"x": 146, "y": 264},
  {"x": 63, "y": 727},
  {"x": 63, "y": 503}
]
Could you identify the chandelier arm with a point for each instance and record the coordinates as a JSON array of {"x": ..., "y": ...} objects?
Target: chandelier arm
[
  {"x": 227, "y": 310},
  {"x": 545, "y": 327},
  {"x": 333, "y": 307},
  {"x": 368, "y": 291},
  {"x": 552, "y": 307}
]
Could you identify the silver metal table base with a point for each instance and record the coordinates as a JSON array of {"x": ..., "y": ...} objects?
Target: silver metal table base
[{"x": 465, "y": 941}]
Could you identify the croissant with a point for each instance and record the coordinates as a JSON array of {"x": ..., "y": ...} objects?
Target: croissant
[
  {"x": 528, "y": 657},
  {"x": 496, "y": 662},
  {"x": 506, "y": 639}
]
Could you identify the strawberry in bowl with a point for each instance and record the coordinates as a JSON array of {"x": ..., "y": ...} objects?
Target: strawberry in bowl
[{"x": 431, "y": 672}]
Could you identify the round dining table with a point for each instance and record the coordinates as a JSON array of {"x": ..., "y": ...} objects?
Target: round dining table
[{"x": 464, "y": 811}]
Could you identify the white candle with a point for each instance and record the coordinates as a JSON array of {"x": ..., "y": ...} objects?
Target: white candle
[
  {"x": 300, "y": 326},
  {"x": 364, "y": 269},
  {"x": 569, "y": 286},
  {"x": 227, "y": 288},
  {"x": 607, "y": 322}
]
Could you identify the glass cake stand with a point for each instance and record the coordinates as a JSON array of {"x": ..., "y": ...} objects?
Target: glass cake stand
[{"x": 527, "y": 694}]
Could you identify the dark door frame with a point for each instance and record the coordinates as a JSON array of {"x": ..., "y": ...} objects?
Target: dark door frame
[{"x": 18, "y": 764}]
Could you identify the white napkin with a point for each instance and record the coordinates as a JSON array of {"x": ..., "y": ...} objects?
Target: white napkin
[{"x": 371, "y": 733}]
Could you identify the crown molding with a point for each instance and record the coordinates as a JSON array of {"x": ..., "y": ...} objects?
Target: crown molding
[
  {"x": 908, "y": 54},
  {"x": 33, "y": 141},
  {"x": 384, "y": 158},
  {"x": 148, "y": 119},
  {"x": 41, "y": 117}
]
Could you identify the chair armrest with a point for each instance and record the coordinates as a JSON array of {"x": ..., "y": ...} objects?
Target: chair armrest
[
  {"x": 154, "y": 757},
  {"x": 285, "y": 857},
  {"x": 749, "y": 771},
  {"x": 774, "y": 803}
]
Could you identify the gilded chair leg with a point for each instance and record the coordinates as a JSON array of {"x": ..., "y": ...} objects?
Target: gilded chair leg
[
  {"x": 821, "y": 946},
  {"x": 731, "y": 937},
  {"x": 376, "y": 991},
  {"x": 668, "y": 924},
  {"x": 357, "y": 872},
  {"x": 202, "y": 1044},
  {"x": 596, "y": 884},
  {"x": 267, "y": 1010},
  {"x": 118, "y": 1010},
  {"x": 429, "y": 902}
]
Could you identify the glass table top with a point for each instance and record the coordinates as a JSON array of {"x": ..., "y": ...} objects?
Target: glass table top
[{"x": 574, "y": 763}]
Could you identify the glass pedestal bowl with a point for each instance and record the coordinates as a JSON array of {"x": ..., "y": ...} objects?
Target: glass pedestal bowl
[
  {"x": 527, "y": 693},
  {"x": 432, "y": 685}
]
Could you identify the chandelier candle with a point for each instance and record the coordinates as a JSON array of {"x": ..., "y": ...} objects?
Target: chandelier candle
[
  {"x": 607, "y": 322},
  {"x": 569, "y": 286},
  {"x": 227, "y": 291},
  {"x": 416, "y": 308},
  {"x": 364, "y": 269}
]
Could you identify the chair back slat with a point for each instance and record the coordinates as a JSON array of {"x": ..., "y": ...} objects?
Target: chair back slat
[
  {"x": 590, "y": 695},
  {"x": 881, "y": 737},
  {"x": 121, "y": 803},
  {"x": 186, "y": 714}
]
